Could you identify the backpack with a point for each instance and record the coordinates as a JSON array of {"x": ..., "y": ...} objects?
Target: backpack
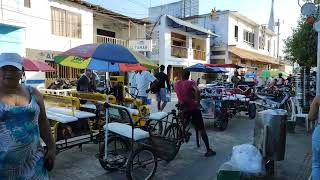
[{"x": 156, "y": 88}]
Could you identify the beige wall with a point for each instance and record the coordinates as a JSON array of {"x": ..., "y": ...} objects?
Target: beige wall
[{"x": 121, "y": 28}]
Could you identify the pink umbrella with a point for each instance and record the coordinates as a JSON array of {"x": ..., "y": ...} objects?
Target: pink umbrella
[{"x": 33, "y": 65}]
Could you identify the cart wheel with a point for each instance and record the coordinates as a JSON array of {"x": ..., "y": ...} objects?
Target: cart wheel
[
  {"x": 154, "y": 127},
  {"x": 222, "y": 122},
  {"x": 117, "y": 153},
  {"x": 252, "y": 110},
  {"x": 142, "y": 164},
  {"x": 172, "y": 132}
]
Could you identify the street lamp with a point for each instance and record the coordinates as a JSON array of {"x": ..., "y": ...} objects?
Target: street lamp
[{"x": 311, "y": 9}]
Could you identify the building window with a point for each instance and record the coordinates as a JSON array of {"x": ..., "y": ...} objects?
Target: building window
[
  {"x": 27, "y": 3},
  {"x": 217, "y": 53},
  {"x": 236, "y": 35},
  {"x": 248, "y": 37},
  {"x": 65, "y": 23},
  {"x": 269, "y": 45}
]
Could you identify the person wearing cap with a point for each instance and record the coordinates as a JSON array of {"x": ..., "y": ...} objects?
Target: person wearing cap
[{"x": 23, "y": 122}]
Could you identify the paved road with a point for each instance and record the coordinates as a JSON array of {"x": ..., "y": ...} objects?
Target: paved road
[{"x": 190, "y": 164}]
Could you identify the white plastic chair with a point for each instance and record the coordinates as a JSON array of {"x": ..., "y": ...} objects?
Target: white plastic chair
[{"x": 297, "y": 112}]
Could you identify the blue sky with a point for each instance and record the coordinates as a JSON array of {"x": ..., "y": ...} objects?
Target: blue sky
[{"x": 287, "y": 11}]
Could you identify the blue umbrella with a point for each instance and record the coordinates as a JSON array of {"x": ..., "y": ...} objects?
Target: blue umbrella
[
  {"x": 202, "y": 68},
  {"x": 250, "y": 75}
]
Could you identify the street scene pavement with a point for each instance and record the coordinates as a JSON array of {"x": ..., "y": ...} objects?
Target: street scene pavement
[{"x": 190, "y": 162}]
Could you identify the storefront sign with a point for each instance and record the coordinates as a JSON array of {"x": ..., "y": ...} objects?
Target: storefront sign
[
  {"x": 44, "y": 55},
  {"x": 141, "y": 45}
]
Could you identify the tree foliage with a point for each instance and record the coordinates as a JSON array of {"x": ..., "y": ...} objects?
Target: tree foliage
[{"x": 301, "y": 46}]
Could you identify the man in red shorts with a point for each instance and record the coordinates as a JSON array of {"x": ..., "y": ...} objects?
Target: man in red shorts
[{"x": 189, "y": 97}]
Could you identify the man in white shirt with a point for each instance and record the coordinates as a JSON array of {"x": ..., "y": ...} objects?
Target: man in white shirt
[
  {"x": 132, "y": 83},
  {"x": 143, "y": 80}
]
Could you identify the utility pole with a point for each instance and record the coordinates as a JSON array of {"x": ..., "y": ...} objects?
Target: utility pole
[
  {"x": 278, "y": 39},
  {"x": 184, "y": 8}
]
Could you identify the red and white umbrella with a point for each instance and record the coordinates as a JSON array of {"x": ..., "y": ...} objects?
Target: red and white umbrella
[{"x": 34, "y": 65}]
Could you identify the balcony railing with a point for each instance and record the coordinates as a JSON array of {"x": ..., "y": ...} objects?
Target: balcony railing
[
  {"x": 199, "y": 55},
  {"x": 179, "y": 52},
  {"x": 106, "y": 39}
]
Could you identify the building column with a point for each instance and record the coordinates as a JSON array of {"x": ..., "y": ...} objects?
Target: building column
[
  {"x": 164, "y": 42},
  {"x": 208, "y": 52},
  {"x": 190, "y": 50}
]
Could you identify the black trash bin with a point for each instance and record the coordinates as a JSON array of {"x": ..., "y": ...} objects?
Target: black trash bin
[{"x": 270, "y": 136}]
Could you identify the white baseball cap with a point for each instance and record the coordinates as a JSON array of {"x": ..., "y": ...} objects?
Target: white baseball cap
[{"x": 11, "y": 59}]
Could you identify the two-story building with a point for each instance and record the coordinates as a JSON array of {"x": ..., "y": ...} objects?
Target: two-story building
[
  {"x": 44, "y": 28},
  {"x": 241, "y": 40},
  {"x": 178, "y": 44}
]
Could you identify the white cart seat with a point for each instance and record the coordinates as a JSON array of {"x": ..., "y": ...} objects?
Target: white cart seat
[
  {"x": 126, "y": 131},
  {"x": 245, "y": 99},
  {"x": 60, "y": 117},
  {"x": 229, "y": 98},
  {"x": 158, "y": 116},
  {"x": 302, "y": 115},
  {"x": 77, "y": 113},
  {"x": 240, "y": 96},
  {"x": 89, "y": 105},
  {"x": 131, "y": 111}
]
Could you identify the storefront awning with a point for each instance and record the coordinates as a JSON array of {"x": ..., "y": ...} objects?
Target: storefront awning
[
  {"x": 187, "y": 26},
  {"x": 248, "y": 55}
]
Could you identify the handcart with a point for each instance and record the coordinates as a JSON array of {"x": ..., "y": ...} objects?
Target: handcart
[
  {"x": 70, "y": 126},
  {"x": 133, "y": 148}
]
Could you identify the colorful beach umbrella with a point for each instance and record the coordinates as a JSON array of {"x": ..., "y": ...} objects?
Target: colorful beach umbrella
[
  {"x": 132, "y": 67},
  {"x": 144, "y": 61},
  {"x": 203, "y": 68},
  {"x": 34, "y": 65},
  {"x": 100, "y": 57}
]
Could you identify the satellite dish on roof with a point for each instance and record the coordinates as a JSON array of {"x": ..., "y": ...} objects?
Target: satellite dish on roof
[{"x": 308, "y": 9}]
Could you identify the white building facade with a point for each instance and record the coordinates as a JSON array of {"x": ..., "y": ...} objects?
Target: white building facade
[
  {"x": 12, "y": 27},
  {"x": 41, "y": 29},
  {"x": 241, "y": 41},
  {"x": 179, "y": 44}
]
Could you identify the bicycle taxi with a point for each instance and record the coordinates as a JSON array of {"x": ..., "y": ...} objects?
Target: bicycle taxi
[{"x": 137, "y": 149}]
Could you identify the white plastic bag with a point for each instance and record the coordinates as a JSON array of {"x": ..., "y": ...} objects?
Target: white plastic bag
[{"x": 247, "y": 158}]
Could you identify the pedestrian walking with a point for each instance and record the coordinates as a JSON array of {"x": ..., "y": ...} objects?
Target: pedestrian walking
[
  {"x": 163, "y": 93},
  {"x": 23, "y": 122},
  {"x": 188, "y": 95},
  {"x": 143, "y": 80}
]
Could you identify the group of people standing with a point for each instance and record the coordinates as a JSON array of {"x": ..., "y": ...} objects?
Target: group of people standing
[{"x": 143, "y": 82}]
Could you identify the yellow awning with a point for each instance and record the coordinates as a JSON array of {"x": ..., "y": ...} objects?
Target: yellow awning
[{"x": 253, "y": 56}]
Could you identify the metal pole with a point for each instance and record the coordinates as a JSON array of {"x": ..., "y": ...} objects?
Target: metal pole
[{"x": 278, "y": 39}]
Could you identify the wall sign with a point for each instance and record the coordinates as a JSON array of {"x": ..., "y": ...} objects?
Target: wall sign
[
  {"x": 141, "y": 45},
  {"x": 44, "y": 55}
]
